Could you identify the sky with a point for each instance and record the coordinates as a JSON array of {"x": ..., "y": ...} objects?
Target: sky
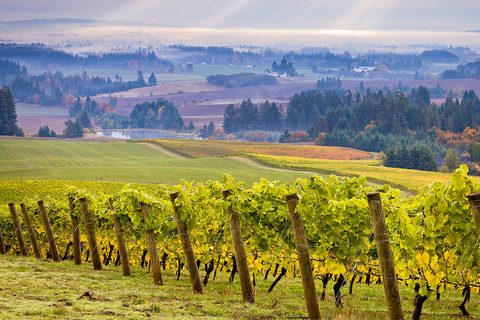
[
  {"x": 427, "y": 15},
  {"x": 266, "y": 20}
]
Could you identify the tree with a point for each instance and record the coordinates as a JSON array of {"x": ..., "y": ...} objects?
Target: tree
[
  {"x": 426, "y": 160},
  {"x": 474, "y": 151},
  {"x": 75, "y": 108},
  {"x": 451, "y": 160},
  {"x": 191, "y": 126},
  {"x": 84, "y": 119},
  {"x": 113, "y": 101},
  {"x": 8, "y": 114},
  {"x": 73, "y": 129},
  {"x": 140, "y": 79},
  {"x": 320, "y": 126},
  {"x": 247, "y": 116},
  {"x": 152, "y": 80},
  {"x": 284, "y": 137},
  {"x": 46, "y": 132},
  {"x": 230, "y": 119}
]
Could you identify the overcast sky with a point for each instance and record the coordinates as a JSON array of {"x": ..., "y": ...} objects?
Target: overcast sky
[{"x": 427, "y": 15}]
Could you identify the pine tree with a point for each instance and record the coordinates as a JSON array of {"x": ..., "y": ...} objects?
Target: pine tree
[
  {"x": 84, "y": 119},
  {"x": 426, "y": 161},
  {"x": 152, "y": 80},
  {"x": 8, "y": 114},
  {"x": 230, "y": 119},
  {"x": 73, "y": 129}
]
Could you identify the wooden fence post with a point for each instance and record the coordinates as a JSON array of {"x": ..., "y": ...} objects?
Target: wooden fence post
[
  {"x": 122, "y": 248},
  {"x": 90, "y": 231},
  {"x": 33, "y": 238},
  {"x": 240, "y": 255},
  {"x": 152, "y": 250},
  {"x": 474, "y": 200},
  {"x": 2, "y": 243},
  {"x": 22, "y": 247},
  {"x": 48, "y": 230},
  {"x": 385, "y": 256},
  {"x": 187, "y": 248},
  {"x": 77, "y": 246},
  {"x": 303, "y": 255}
]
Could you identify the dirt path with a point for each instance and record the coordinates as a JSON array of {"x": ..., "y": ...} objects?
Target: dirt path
[
  {"x": 163, "y": 150},
  {"x": 258, "y": 165}
]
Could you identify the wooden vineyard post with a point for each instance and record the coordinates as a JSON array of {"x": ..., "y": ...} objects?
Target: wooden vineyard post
[
  {"x": 33, "y": 238},
  {"x": 152, "y": 250},
  {"x": 2, "y": 243},
  {"x": 48, "y": 230},
  {"x": 303, "y": 255},
  {"x": 77, "y": 246},
  {"x": 187, "y": 248},
  {"x": 90, "y": 231},
  {"x": 22, "y": 247},
  {"x": 122, "y": 248},
  {"x": 474, "y": 200},
  {"x": 385, "y": 257},
  {"x": 240, "y": 255}
]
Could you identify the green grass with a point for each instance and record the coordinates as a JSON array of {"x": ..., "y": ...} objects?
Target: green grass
[
  {"x": 119, "y": 161},
  {"x": 32, "y": 289}
]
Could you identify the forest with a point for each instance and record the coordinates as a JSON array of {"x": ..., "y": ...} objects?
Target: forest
[{"x": 51, "y": 89}]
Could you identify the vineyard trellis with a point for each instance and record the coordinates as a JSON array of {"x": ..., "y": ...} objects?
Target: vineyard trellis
[{"x": 432, "y": 237}]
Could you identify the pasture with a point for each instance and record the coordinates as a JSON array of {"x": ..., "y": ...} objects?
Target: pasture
[{"x": 22, "y": 159}]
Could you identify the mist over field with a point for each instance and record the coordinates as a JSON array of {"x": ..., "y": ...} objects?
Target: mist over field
[{"x": 101, "y": 35}]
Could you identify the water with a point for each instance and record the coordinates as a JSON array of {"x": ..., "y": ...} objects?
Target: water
[{"x": 145, "y": 134}]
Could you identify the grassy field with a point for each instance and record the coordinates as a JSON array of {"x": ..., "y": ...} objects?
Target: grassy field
[
  {"x": 32, "y": 289},
  {"x": 209, "y": 148},
  {"x": 371, "y": 169},
  {"x": 120, "y": 161}
]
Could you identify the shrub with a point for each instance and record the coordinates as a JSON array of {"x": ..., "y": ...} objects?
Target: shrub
[
  {"x": 259, "y": 136},
  {"x": 231, "y": 137}
]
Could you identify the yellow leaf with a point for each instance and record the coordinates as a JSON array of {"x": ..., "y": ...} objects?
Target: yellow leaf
[{"x": 432, "y": 279}]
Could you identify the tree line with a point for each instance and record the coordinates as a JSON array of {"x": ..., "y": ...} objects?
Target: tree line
[
  {"x": 268, "y": 116},
  {"x": 160, "y": 114},
  {"x": 241, "y": 80},
  {"x": 44, "y": 55},
  {"x": 50, "y": 89}
]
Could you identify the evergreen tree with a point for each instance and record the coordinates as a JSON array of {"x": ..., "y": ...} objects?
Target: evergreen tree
[
  {"x": 73, "y": 129},
  {"x": 191, "y": 126},
  {"x": 207, "y": 131},
  {"x": 84, "y": 119},
  {"x": 426, "y": 160},
  {"x": 247, "y": 116},
  {"x": 230, "y": 119},
  {"x": 140, "y": 79},
  {"x": 46, "y": 132},
  {"x": 272, "y": 119},
  {"x": 76, "y": 108},
  {"x": 8, "y": 114},
  {"x": 152, "y": 80}
]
